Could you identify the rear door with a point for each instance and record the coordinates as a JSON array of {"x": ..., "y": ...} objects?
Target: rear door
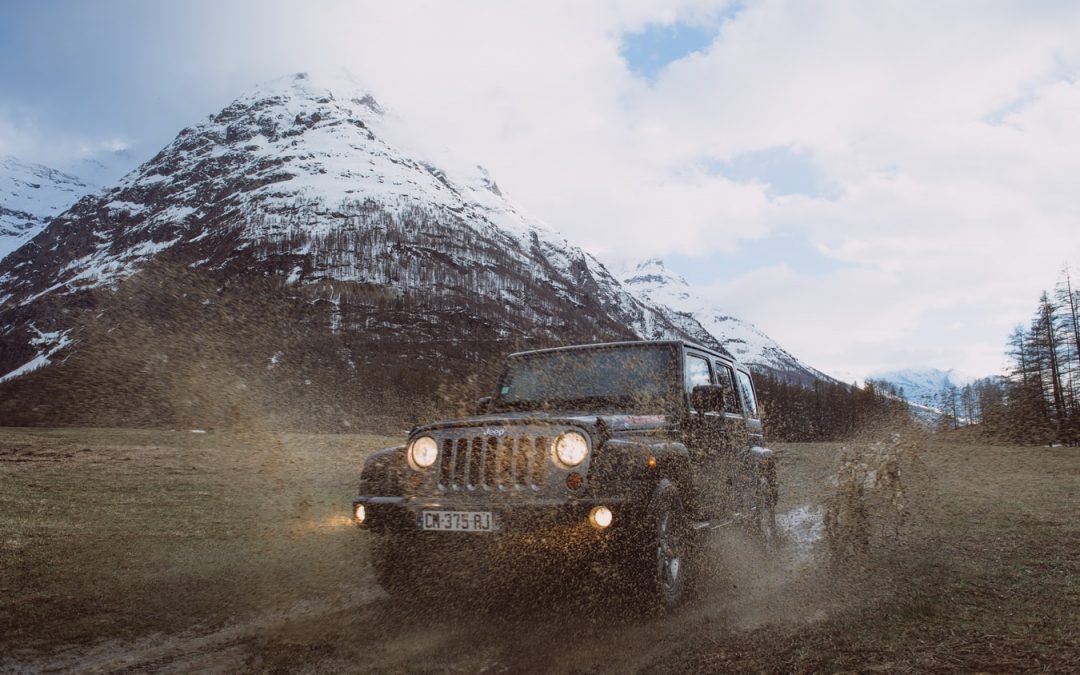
[
  {"x": 704, "y": 432},
  {"x": 735, "y": 439},
  {"x": 734, "y": 419}
]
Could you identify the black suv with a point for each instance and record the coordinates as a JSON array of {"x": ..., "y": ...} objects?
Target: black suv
[{"x": 630, "y": 450}]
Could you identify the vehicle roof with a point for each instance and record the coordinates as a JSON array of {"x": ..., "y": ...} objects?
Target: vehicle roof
[{"x": 635, "y": 343}]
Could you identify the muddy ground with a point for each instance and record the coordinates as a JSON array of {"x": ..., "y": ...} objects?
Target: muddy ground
[{"x": 174, "y": 551}]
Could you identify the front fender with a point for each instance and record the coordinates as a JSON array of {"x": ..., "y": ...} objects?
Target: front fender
[
  {"x": 760, "y": 463},
  {"x": 760, "y": 459},
  {"x": 383, "y": 472},
  {"x": 641, "y": 460}
]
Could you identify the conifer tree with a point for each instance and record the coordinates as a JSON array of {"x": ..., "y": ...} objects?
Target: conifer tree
[
  {"x": 1068, "y": 300},
  {"x": 1048, "y": 342}
]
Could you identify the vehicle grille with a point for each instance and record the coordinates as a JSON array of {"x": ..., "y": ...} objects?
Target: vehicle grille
[{"x": 493, "y": 462}]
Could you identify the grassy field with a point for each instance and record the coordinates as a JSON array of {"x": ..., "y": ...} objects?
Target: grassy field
[
  {"x": 120, "y": 533},
  {"x": 171, "y": 550},
  {"x": 985, "y": 576}
]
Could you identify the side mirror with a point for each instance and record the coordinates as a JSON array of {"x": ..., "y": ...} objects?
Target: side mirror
[
  {"x": 707, "y": 398},
  {"x": 483, "y": 405}
]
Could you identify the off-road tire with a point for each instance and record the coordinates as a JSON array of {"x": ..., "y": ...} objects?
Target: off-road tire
[
  {"x": 764, "y": 517},
  {"x": 662, "y": 567},
  {"x": 395, "y": 566}
]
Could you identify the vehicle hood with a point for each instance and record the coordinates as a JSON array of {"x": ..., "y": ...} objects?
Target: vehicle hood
[{"x": 612, "y": 422}]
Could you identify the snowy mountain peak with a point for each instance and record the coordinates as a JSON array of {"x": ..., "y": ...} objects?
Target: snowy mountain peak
[
  {"x": 30, "y": 196},
  {"x": 488, "y": 182},
  {"x": 338, "y": 83},
  {"x": 653, "y": 282},
  {"x": 653, "y": 272}
]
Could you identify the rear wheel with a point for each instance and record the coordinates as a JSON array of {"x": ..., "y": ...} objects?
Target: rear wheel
[
  {"x": 765, "y": 521},
  {"x": 765, "y": 505}
]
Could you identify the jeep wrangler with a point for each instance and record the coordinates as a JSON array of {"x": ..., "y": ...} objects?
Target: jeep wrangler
[{"x": 629, "y": 450}]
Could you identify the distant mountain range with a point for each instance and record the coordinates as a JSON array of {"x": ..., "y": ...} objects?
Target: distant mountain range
[
  {"x": 924, "y": 386},
  {"x": 295, "y": 224}
]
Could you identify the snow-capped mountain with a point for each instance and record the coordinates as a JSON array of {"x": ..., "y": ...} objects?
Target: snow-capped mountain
[
  {"x": 653, "y": 283},
  {"x": 301, "y": 181},
  {"x": 924, "y": 386},
  {"x": 30, "y": 196},
  {"x": 291, "y": 240}
]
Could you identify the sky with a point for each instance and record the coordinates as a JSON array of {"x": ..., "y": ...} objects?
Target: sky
[{"x": 875, "y": 185}]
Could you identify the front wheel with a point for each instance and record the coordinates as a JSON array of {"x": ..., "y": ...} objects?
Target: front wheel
[
  {"x": 395, "y": 566},
  {"x": 663, "y": 560}
]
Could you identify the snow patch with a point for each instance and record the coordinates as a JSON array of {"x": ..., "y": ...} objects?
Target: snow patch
[{"x": 52, "y": 343}]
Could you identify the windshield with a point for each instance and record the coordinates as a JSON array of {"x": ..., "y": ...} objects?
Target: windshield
[{"x": 631, "y": 378}]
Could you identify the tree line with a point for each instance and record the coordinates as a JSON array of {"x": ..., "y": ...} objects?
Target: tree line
[
  {"x": 826, "y": 411},
  {"x": 1038, "y": 400}
]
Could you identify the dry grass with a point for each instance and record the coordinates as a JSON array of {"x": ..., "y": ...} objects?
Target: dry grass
[
  {"x": 120, "y": 533},
  {"x": 236, "y": 552}
]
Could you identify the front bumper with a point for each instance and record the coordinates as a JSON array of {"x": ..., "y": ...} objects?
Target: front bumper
[{"x": 510, "y": 517}]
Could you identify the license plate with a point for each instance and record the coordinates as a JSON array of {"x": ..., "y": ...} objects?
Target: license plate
[{"x": 457, "y": 521}]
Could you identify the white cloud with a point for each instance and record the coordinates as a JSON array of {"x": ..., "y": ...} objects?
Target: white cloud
[
  {"x": 949, "y": 135},
  {"x": 21, "y": 136}
]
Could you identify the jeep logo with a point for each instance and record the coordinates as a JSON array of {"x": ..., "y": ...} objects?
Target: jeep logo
[{"x": 494, "y": 431}]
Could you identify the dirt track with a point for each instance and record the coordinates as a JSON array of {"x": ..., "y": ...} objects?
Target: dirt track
[{"x": 178, "y": 552}]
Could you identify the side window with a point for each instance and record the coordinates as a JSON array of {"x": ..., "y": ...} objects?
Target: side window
[
  {"x": 697, "y": 372},
  {"x": 747, "y": 389},
  {"x": 726, "y": 378}
]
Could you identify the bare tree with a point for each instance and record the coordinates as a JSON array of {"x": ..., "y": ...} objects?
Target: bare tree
[
  {"x": 1045, "y": 347},
  {"x": 1069, "y": 301}
]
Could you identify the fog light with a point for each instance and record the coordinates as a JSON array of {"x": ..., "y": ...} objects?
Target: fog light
[
  {"x": 360, "y": 513},
  {"x": 600, "y": 517}
]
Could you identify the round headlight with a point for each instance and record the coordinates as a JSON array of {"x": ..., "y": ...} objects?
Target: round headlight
[
  {"x": 423, "y": 452},
  {"x": 600, "y": 517},
  {"x": 571, "y": 449}
]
